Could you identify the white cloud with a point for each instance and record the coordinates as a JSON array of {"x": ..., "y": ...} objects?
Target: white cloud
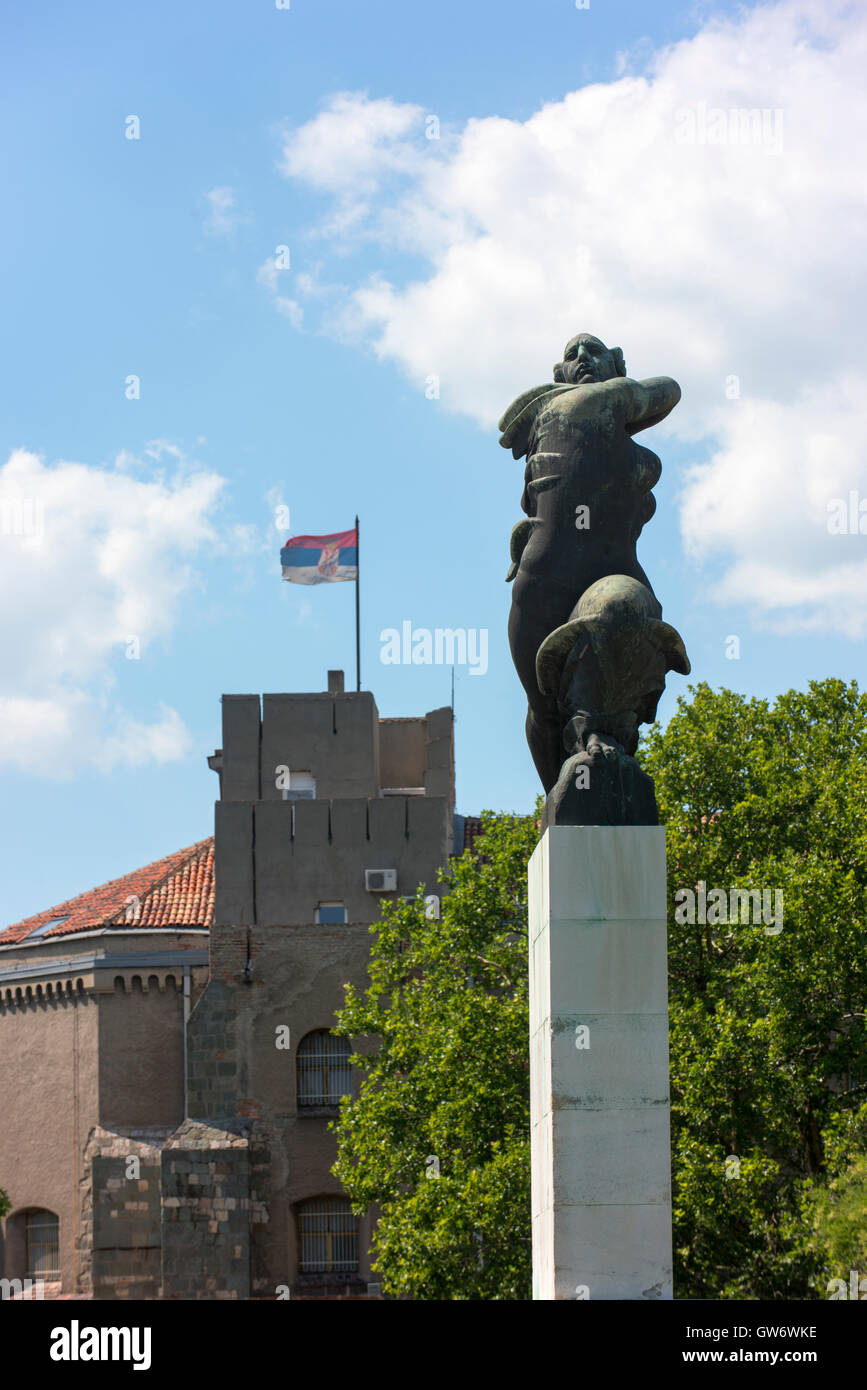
[
  {"x": 63, "y": 735},
  {"x": 135, "y": 743},
  {"x": 268, "y": 275},
  {"x": 223, "y": 215},
  {"x": 705, "y": 260},
  {"x": 291, "y": 309},
  {"x": 764, "y": 503},
  {"x": 90, "y": 558},
  {"x": 353, "y": 144}
]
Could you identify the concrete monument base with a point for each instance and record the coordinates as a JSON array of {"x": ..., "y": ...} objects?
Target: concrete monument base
[{"x": 599, "y": 1085}]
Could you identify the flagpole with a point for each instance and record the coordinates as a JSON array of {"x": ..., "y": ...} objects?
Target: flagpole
[{"x": 357, "y": 608}]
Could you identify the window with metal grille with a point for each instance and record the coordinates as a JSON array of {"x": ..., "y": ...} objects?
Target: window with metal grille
[
  {"x": 43, "y": 1245},
  {"x": 329, "y": 1236},
  {"x": 324, "y": 1069}
]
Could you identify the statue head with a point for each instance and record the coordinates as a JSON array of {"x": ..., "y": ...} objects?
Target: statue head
[{"x": 586, "y": 359}]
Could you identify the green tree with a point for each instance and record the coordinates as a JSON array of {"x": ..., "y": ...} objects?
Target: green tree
[
  {"x": 768, "y": 1057},
  {"x": 438, "y": 1136},
  {"x": 839, "y": 1224},
  {"x": 5, "y": 1204}
]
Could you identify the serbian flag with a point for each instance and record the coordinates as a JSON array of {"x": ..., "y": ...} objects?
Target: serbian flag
[{"x": 320, "y": 559}]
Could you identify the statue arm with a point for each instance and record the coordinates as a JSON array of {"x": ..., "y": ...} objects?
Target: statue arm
[
  {"x": 518, "y": 421},
  {"x": 649, "y": 401}
]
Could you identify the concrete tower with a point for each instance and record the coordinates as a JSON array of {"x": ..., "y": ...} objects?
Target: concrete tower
[{"x": 325, "y": 809}]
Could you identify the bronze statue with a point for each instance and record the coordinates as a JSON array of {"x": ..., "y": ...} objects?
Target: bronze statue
[{"x": 585, "y": 628}]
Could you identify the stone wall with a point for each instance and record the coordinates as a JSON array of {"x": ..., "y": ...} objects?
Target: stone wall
[
  {"x": 207, "y": 1212},
  {"x": 120, "y": 1215}
]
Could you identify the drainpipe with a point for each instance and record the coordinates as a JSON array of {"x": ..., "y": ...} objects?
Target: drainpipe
[{"x": 186, "y": 1021}]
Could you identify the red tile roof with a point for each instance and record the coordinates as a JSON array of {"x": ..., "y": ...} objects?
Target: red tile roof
[
  {"x": 177, "y": 891},
  {"x": 472, "y": 831}
]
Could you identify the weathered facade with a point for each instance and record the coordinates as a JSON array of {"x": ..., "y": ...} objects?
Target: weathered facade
[
  {"x": 177, "y": 1125},
  {"x": 94, "y": 994},
  {"x": 299, "y": 880}
]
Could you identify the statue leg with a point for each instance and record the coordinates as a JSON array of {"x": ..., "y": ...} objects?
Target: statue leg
[
  {"x": 544, "y": 738},
  {"x": 536, "y": 610}
]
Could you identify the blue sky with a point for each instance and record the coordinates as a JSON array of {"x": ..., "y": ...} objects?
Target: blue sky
[{"x": 558, "y": 197}]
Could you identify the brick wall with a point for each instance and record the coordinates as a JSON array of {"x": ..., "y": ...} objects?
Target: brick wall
[{"x": 212, "y": 1050}]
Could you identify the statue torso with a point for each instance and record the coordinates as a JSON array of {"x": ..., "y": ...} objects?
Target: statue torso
[{"x": 580, "y": 456}]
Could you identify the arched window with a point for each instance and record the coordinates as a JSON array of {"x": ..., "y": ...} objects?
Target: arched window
[
  {"x": 329, "y": 1236},
  {"x": 324, "y": 1069},
  {"x": 43, "y": 1245}
]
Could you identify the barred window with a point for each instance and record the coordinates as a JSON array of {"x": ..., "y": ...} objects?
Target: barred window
[
  {"x": 329, "y": 1236},
  {"x": 43, "y": 1245},
  {"x": 324, "y": 1069}
]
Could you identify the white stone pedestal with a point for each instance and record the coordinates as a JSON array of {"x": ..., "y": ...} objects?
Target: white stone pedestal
[{"x": 599, "y": 1064}]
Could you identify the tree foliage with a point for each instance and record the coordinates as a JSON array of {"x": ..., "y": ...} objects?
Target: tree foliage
[
  {"x": 839, "y": 1223},
  {"x": 768, "y": 1055},
  {"x": 438, "y": 1137}
]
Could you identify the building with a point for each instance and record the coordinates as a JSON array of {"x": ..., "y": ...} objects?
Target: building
[
  {"x": 94, "y": 994},
  {"x": 169, "y": 1110}
]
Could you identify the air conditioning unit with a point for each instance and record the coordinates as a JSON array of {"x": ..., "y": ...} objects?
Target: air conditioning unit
[{"x": 380, "y": 880}]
